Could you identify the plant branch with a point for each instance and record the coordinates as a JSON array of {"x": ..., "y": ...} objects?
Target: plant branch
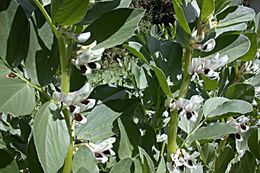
[{"x": 47, "y": 17}]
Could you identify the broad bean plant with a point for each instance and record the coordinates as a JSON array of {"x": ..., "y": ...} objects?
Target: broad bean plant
[{"x": 187, "y": 100}]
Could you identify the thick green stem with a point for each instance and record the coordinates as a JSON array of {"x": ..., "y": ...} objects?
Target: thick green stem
[
  {"x": 65, "y": 87},
  {"x": 173, "y": 125}
]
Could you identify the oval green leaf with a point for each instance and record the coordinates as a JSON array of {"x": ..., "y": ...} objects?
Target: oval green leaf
[
  {"x": 51, "y": 137},
  {"x": 84, "y": 158},
  {"x": 99, "y": 125},
  {"x": 124, "y": 165},
  {"x": 114, "y": 27},
  {"x": 67, "y": 12},
  {"x": 241, "y": 91}
]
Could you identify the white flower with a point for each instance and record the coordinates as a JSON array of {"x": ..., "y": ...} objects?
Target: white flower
[
  {"x": 211, "y": 64},
  {"x": 207, "y": 66},
  {"x": 81, "y": 38},
  {"x": 161, "y": 138},
  {"x": 101, "y": 149},
  {"x": 209, "y": 45},
  {"x": 77, "y": 101},
  {"x": 86, "y": 59},
  {"x": 240, "y": 125},
  {"x": 181, "y": 161},
  {"x": 188, "y": 108}
]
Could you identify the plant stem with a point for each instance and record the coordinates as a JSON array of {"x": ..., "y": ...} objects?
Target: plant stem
[
  {"x": 173, "y": 126},
  {"x": 47, "y": 17},
  {"x": 65, "y": 87}
]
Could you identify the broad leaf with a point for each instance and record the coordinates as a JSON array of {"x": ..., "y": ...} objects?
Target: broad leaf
[
  {"x": 84, "y": 158},
  {"x": 51, "y": 137},
  {"x": 241, "y": 14},
  {"x": 16, "y": 97},
  {"x": 114, "y": 27},
  {"x": 162, "y": 80},
  {"x": 250, "y": 55},
  {"x": 214, "y": 131},
  {"x": 248, "y": 163},
  {"x": 129, "y": 139},
  {"x": 6, "y": 158},
  {"x": 234, "y": 46},
  {"x": 207, "y": 153},
  {"x": 180, "y": 16},
  {"x": 236, "y": 27},
  {"x": 99, "y": 125},
  {"x": 125, "y": 165},
  {"x": 217, "y": 107},
  {"x": 28, "y": 6},
  {"x": 67, "y": 12},
  {"x": 254, "y": 143},
  {"x": 42, "y": 60},
  {"x": 136, "y": 52},
  {"x": 220, "y": 5},
  {"x": 209, "y": 84},
  {"x": 207, "y": 8},
  {"x": 241, "y": 91},
  {"x": 223, "y": 159},
  {"x": 3, "y": 70},
  {"x": 101, "y": 7},
  {"x": 32, "y": 158},
  {"x": 14, "y": 34}
]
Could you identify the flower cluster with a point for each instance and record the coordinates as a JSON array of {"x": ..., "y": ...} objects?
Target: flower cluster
[
  {"x": 102, "y": 149},
  {"x": 240, "y": 125},
  {"x": 207, "y": 66},
  {"x": 181, "y": 161},
  {"x": 76, "y": 102},
  {"x": 186, "y": 108},
  {"x": 86, "y": 56}
]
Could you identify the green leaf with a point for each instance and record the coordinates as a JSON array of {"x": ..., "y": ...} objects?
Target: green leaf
[
  {"x": 181, "y": 17},
  {"x": 161, "y": 167},
  {"x": 250, "y": 55},
  {"x": 51, "y": 137},
  {"x": 32, "y": 158},
  {"x": 223, "y": 159},
  {"x": 10, "y": 168},
  {"x": 234, "y": 46},
  {"x": 255, "y": 81},
  {"x": 254, "y": 143},
  {"x": 67, "y": 12},
  {"x": 207, "y": 153},
  {"x": 136, "y": 52},
  {"x": 241, "y": 91},
  {"x": 3, "y": 70},
  {"x": 42, "y": 60},
  {"x": 171, "y": 61},
  {"x": 5, "y": 159},
  {"x": 77, "y": 80},
  {"x": 207, "y": 8},
  {"x": 99, "y": 125},
  {"x": 217, "y": 107},
  {"x": 236, "y": 27},
  {"x": 84, "y": 158},
  {"x": 129, "y": 138},
  {"x": 101, "y": 7},
  {"x": 214, "y": 131},
  {"x": 14, "y": 35},
  {"x": 162, "y": 80},
  {"x": 139, "y": 76},
  {"x": 146, "y": 161},
  {"x": 16, "y": 97},
  {"x": 28, "y": 6},
  {"x": 125, "y": 165},
  {"x": 114, "y": 27},
  {"x": 108, "y": 92},
  {"x": 220, "y": 5},
  {"x": 248, "y": 163},
  {"x": 209, "y": 84},
  {"x": 241, "y": 14}
]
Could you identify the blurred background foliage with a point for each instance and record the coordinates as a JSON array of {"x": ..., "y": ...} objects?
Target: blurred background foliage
[{"x": 157, "y": 12}]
